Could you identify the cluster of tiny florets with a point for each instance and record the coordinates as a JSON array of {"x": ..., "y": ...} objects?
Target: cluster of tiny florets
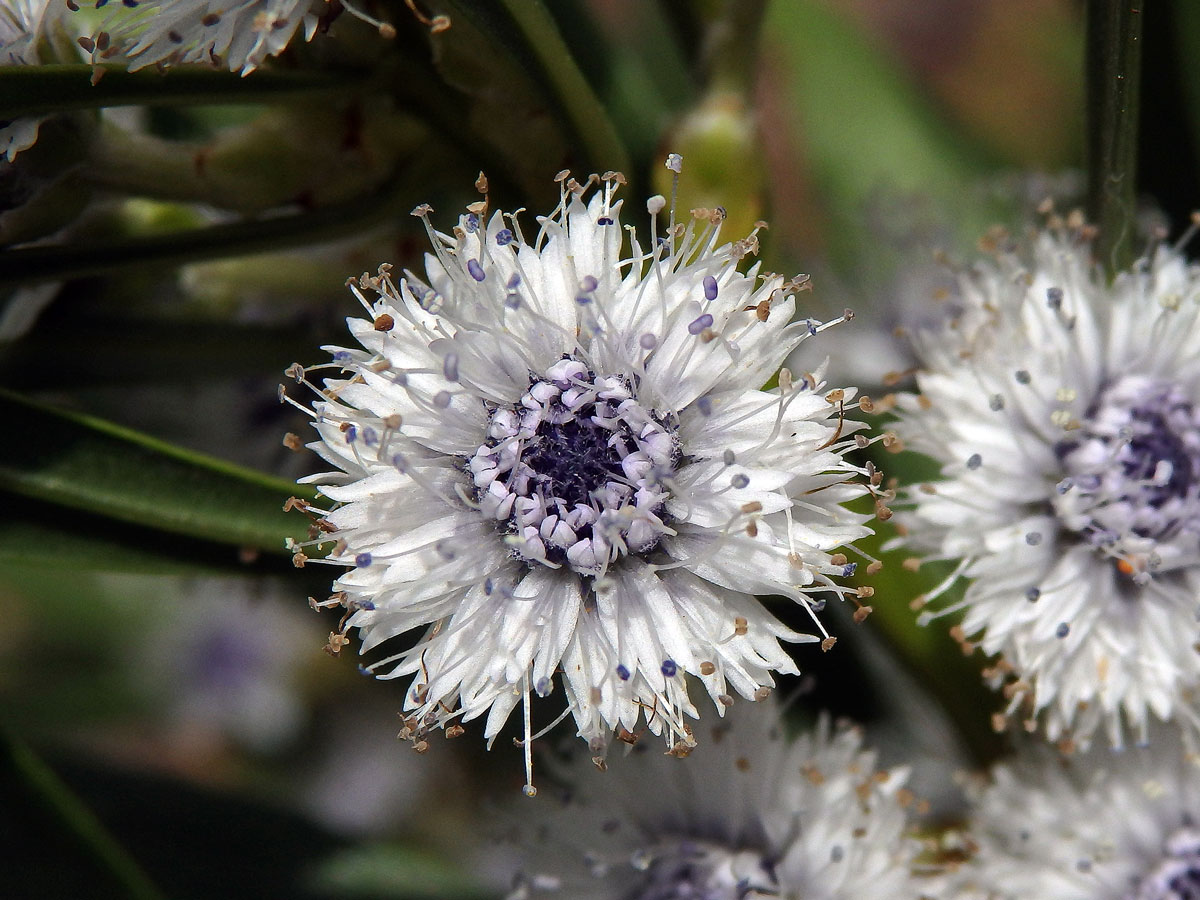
[{"x": 556, "y": 467}]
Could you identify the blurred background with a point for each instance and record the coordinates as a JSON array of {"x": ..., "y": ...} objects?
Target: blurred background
[{"x": 174, "y": 242}]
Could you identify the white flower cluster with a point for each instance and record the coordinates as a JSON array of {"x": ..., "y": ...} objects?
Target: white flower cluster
[
  {"x": 1064, "y": 408},
  {"x": 237, "y": 36},
  {"x": 554, "y": 454},
  {"x": 1101, "y": 826},
  {"x": 751, "y": 815},
  {"x": 1065, "y": 413}
]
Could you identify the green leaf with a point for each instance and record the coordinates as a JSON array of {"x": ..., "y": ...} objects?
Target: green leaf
[
  {"x": 37, "y": 782},
  {"x": 56, "y": 538},
  {"x": 39, "y": 90},
  {"x": 394, "y": 871},
  {"x": 857, "y": 122},
  {"x": 88, "y": 464}
]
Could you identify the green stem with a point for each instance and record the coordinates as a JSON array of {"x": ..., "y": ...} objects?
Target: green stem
[
  {"x": 61, "y": 802},
  {"x": 39, "y": 90},
  {"x": 732, "y": 61},
  {"x": 587, "y": 115},
  {"x": 1114, "y": 57},
  {"x": 42, "y": 263}
]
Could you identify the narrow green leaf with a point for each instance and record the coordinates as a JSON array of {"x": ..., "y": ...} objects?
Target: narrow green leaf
[
  {"x": 42, "y": 263},
  {"x": 39, "y": 90},
  {"x": 56, "y": 538},
  {"x": 1114, "y": 72},
  {"x": 40, "y": 780},
  {"x": 589, "y": 120},
  {"x": 396, "y": 872},
  {"x": 857, "y": 122},
  {"x": 85, "y": 463}
]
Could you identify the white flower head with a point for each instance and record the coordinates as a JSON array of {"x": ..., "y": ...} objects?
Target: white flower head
[
  {"x": 752, "y": 815},
  {"x": 1102, "y": 826},
  {"x": 1065, "y": 412},
  {"x": 32, "y": 32},
  {"x": 555, "y": 454},
  {"x": 237, "y": 36}
]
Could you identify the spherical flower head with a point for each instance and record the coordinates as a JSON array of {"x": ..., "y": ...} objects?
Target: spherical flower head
[
  {"x": 555, "y": 455},
  {"x": 1065, "y": 412},
  {"x": 237, "y": 36},
  {"x": 752, "y": 814},
  {"x": 1102, "y": 826}
]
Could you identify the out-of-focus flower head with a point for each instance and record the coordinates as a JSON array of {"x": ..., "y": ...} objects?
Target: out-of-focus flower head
[
  {"x": 1065, "y": 412},
  {"x": 1104, "y": 826},
  {"x": 753, "y": 814}
]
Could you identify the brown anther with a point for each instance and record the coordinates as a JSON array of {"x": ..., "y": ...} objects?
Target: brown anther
[
  {"x": 924, "y": 402},
  {"x": 337, "y": 640},
  {"x": 836, "y": 396},
  {"x": 707, "y": 668},
  {"x": 725, "y": 700},
  {"x": 393, "y": 421},
  {"x": 421, "y": 746},
  {"x": 875, "y": 568},
  {"x": 210, "y": 20},
  {"x": 421, "y": 210},
  {"x": 742, "y": 764},
  {"x": 912, "y": 564},
  {"x": 384, "y": 323},
  {"x": 866, "y": 404},
  {"x": 740, "y": 626},
  {"x": 752, "y": 528},
  {"x": 680, "y": 750},
  {"x": 795, "y": 561},
  {"x": 292, "y": 442},
  {"x": 827, "y": 644},
  {"x": 753, "y": 506},
  {"x": 380, "y": 366},
  {"x": 813, "y": 774},
  {"x": 927, "y": 489},
  {"x": 892, "y": 442},
  {"x": 838, "y": 559},
  {"x": 626, "y": 736},
  {"x": 882, "y": 512},
  {"x": 785, "y": 380},
  {"x": 299, "y": 559},
  {"x": 762, "y": 693},
  {"x": 102, "y": 41},
  {"x": 860, "y": 614},
  {"x": 88, "y": 45}
]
